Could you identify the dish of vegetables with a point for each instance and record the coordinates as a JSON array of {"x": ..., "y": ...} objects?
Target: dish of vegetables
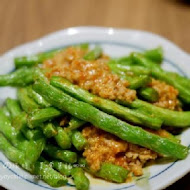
[{"x": 80, "y": 112}]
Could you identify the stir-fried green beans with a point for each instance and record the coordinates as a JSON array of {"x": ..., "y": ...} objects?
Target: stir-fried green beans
[
  {"x": 17, "y": 139},
  {"x": 43, "y": 132},
  {"x": 108, "y": 123},
  {"x": 13, "y": 154},
  {"x": 18, "y": 78},
  {"x": 107, "y": 105},
  {"x": 158, "y": 73},
  {"x": 169, "y": 117}
]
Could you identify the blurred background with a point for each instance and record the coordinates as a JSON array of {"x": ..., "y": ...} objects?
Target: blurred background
[{"x": 26, "y": 20}]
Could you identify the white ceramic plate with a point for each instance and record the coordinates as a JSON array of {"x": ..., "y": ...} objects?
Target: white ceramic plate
[{"x": 116, "y": 42}]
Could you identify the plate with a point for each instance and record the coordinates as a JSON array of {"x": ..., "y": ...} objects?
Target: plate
[{"x": 115, "y": 42}]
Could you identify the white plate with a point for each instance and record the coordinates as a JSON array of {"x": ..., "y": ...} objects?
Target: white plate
[{"x": 116, "y": 42}]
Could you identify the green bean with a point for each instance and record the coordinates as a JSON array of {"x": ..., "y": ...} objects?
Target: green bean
[
  {"x": 37, "y": 98},
  {"x": 20, "y": 77},
  {"x": 13, "y": 107},
  {"x": 94, "y": 54},
  {"x": 80, "y": 180},
  {"x": 14, "y": 154},
  {"x": 108, "y": 123},
  {"x": 112, "y": 172},
  {"x": 41, "y": 169},
  {"x": 75, "y": 123},
  {"x": 155, "y": 55},
  {"x": 26, "y": 102},
  {"x": 34, "y": 59},
  {"x": 31, "y": 148},
  {"x": 8, "y": 131},
  {"x": 62, "y": 138},
  {"x": 18, "y": 118},
  {"x": 63, "y": 168},
  {"x": 107, "y": 105},
  {"x": 53, "y": 178},
  {"x": 39, "y": 58},
  {"x": 134, "y": 81},
  {"x": 148, "y": 94},
  {"x": 78, "y": 140},
  {"x": 137, "y": 70},
  {"x": 64, "y": 155},
  {"x": 22, "y": 121},
  {"x": 49, "y": 130},
  {"x": 40, "y": 74},
  {"x": 107, "y": 171},
  {"x": 182, "y": 80},
  {"x": 125, "y": 60},
  {"x": 138, "y": 82},
  {"x": 158, "y": 73},
  {"x": 169, "y": 117},
  {"x": 37, "y": 117}
]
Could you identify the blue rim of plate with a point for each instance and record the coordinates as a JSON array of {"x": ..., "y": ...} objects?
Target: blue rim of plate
[{"x": 117, "y": 44}]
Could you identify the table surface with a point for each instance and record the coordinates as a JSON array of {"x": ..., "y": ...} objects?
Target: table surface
[{"x": 22, "y": 21}]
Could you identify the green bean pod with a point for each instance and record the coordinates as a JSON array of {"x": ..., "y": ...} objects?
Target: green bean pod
[
  {"x": 148, "y": 94},
  {"x": 13, "y": 107},
  {"x": 34, "y": 59},
  {"x": 28, "y": 105},
  {"x": 107, "y": 171},
  {"x": 37, "y": 117},
  {"x": 78, "y": 140},
  {"x": 80, "y": 180},
  {"x": 62, "y": 138},
  {"x": 37, "y": 98},
  {"x": 155, "y": 55},
  {"x": 49, "y": 175},
  {"x": 32, "y": 148},
  {"x": 75, "y": 123},
  {"x": 19, "y": 78},
  {"x": 64, "y": 155},
  {"x": 14, "y": 154},
  {"x": 49, "y": 130},
  {"x": 63, "y": 168}
]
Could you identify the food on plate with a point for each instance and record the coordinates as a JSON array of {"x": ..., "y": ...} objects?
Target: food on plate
[{"x": 80, "y": 111}]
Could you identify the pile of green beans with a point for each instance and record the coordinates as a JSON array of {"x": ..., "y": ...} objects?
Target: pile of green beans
[{"x": 30, "y": 131}]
